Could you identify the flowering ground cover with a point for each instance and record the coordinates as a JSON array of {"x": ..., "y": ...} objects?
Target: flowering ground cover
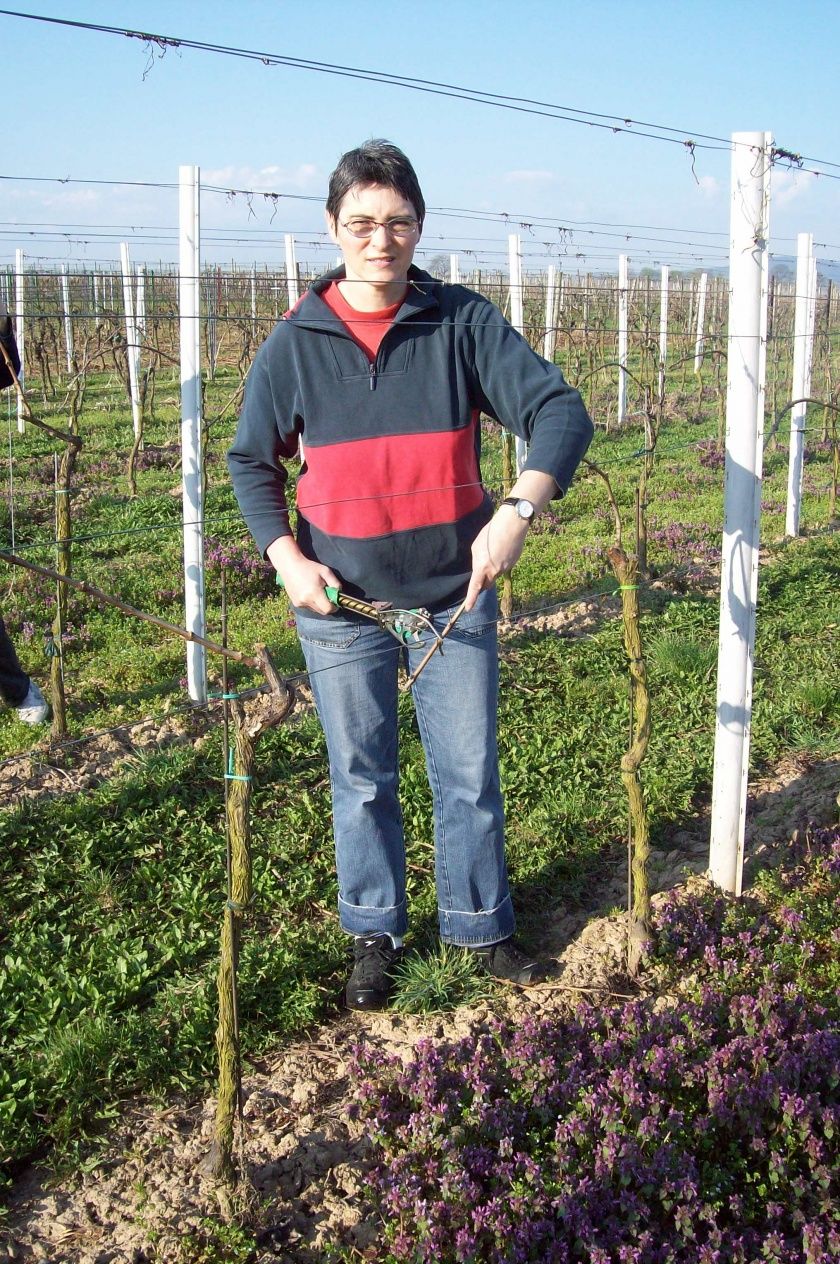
[{"x": 698, "y": 1128}]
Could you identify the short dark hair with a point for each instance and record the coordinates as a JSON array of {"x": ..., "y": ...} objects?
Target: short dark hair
[{"x": 375, "y": 162}]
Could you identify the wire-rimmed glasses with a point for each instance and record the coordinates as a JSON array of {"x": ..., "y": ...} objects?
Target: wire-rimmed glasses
[{"x": 401, "y": 226}]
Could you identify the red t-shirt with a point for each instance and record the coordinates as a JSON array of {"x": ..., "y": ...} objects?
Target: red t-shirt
[{"x": 366, "y": 328}]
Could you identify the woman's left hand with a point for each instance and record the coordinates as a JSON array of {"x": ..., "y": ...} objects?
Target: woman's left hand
[{"x": 495, "y": 551}]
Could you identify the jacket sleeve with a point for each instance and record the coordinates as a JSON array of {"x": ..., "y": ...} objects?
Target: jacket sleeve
[
  {"x": 265, "y": 437},
  {"x": 529, "y": 397}
]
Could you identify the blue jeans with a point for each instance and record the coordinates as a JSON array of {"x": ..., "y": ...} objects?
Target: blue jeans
[{"x": 352, "y": 667}]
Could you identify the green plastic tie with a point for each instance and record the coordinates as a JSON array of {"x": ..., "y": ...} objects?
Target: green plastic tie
[{"x": 232, "y": 776}]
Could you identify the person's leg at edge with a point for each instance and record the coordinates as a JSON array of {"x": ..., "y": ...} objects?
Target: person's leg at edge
[
  {"x": 16, "y": 688},
  {"x": 14, "y": 682}
]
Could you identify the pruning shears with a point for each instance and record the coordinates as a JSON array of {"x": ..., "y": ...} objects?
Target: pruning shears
[{"x": 406, "y": 626}]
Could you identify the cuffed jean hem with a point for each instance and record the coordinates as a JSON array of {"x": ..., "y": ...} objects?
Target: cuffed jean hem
[
  {"x": 477, "y": 930},
  {"x": 365, "y": 919}
]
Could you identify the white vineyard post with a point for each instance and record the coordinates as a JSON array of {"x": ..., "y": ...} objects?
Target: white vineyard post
[
  {"x": 19, "y": 302},
  {"x": 454, "y": 271},
  {"x": 68, "y": 322},
  {"x": 517, "y": 317},
  {"x": 254, "y": 301},
  {"x": 132, "y": 348},
  {"x": 550, "y": 336},
  {"x": 622, "y": 339},
  {"x": 97, "y": 319},
  {"x": 663, "y": 330},
  {"x": 189, "y": 305},
  {"x": 291, "y": 271},
  {"x": 803, "y": 343},
  {"x": 699, "y": 342},
  {"x": 746, "y": 362}
]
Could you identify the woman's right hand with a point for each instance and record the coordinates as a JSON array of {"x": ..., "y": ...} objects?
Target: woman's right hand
[{"x": 303, "y": 579}]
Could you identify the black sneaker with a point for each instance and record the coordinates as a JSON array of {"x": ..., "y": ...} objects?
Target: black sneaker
[
  {"x": 369, "y": 986},
  {"x": 506, "y": 960}
]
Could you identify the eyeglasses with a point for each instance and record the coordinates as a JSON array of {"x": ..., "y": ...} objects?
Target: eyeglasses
[{"x": 399, "y": 227}]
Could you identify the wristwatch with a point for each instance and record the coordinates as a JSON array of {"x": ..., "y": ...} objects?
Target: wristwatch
[{"x": 524, "y": 508}]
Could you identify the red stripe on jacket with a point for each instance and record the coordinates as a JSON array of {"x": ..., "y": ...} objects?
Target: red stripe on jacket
[{"x": 374, "y": 487}]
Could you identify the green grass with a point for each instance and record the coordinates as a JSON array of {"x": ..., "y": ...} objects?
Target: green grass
[
  {"x": 436, "y": 981},
  {"x": 113, "y": 899}
]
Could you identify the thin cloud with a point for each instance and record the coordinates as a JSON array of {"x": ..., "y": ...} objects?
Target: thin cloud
[
  {"x": 29, "y": 197},
  {"x": 269, "y": 179},
  {"x": 789, "y": 185},
  {"x": 709, "y": 186}
]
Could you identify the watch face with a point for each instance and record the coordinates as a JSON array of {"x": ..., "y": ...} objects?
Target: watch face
[{"x": 525, "y": 509}]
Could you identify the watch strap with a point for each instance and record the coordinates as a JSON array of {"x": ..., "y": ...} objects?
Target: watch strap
[{"x": 515, "y": 502}]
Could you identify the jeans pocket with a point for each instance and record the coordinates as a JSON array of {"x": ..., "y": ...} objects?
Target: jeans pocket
[{"x": 326, "y": 631}]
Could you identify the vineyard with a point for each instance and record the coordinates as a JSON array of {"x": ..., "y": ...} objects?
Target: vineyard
[{"x": 424, "y": 1134}]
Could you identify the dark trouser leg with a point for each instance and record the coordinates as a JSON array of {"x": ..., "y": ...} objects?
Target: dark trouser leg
[{"x": 14, "y": 682}]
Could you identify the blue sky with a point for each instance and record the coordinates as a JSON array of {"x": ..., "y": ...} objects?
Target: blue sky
[{"x": 101, "y": 107}]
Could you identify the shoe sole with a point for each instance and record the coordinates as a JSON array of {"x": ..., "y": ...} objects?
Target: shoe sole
[{"x": 365, "y": 1004}]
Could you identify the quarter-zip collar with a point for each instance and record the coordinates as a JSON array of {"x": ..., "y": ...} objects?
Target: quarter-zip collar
[{"x": 421, "y": 295}]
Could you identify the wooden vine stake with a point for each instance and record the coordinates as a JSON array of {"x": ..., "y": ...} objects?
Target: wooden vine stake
[
  {"x": 626, "y": 571},
  {"x": 250, "y": 721}
]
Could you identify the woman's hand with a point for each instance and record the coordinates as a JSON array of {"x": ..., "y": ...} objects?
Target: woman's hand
[
  {"x": 303, "y": 579},
  {"x": 498, "y": 546},
  {"x": 495, "y": 551}
]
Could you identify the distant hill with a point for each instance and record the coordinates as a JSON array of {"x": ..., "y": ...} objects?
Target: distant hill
[{"x": 784, "y": 268}]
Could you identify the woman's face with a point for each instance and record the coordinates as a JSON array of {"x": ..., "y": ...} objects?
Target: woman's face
[{"x": 384, "y": 257}]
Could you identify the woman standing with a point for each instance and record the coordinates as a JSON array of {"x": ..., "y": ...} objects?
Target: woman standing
[{"x": 378, "y": 379}]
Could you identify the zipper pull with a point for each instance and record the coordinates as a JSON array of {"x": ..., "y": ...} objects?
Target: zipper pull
[{"x": 373, "y": 377}]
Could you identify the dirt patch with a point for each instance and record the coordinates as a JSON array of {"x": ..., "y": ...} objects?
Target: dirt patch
[
  {"x": 574, "y": 619},
  {"x": 307, "y": 1163},
  {"x": 53, "y": 769}
]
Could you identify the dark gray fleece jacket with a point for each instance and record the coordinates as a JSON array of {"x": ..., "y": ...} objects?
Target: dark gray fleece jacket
[{"x": 389, "y": 493}]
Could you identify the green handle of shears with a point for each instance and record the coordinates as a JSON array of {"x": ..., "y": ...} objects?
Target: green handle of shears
[{"x": 332, "y": 593}]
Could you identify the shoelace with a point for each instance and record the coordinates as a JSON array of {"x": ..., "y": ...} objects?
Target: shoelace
[{"x": 373, "y": 956}]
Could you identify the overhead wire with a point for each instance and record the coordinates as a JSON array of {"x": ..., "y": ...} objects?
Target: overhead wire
[
  {"x": 689, "y": 139},
  {"x": 526, "y": 105}
]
